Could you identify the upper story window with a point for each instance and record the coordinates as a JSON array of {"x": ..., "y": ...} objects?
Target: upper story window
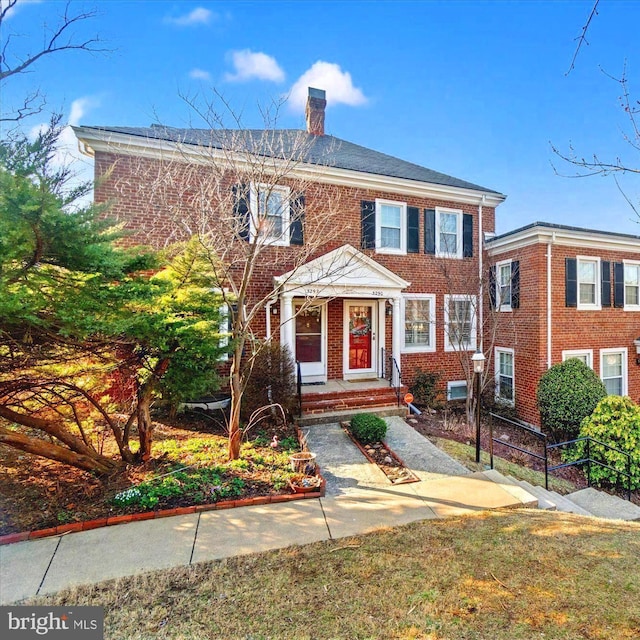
[
  {"x": 391, "y": 225},
  {"x": 504, "y": 285},
  {"x": 460, "y": 323},
  {"x": 588, "y": 287},
  {"x": 448, "y": 233},
  {"x": 269, "y": 214},
  {"x": 419, "y": 323},
  {"x": 632, "y": 286}
]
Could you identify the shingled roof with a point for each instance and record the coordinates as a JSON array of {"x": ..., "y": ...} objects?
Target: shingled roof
[{"x": 325, "y": 150}]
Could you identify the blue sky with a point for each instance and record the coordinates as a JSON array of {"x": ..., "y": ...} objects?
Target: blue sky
[{"x": 478, "y": 90}]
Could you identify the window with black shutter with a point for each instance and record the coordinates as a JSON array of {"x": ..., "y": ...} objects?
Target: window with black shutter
[
  {"x": 467, "y": 235},
  {"x": 605, "y": 280},
  {"x": 618, "y": 285},
  {"x": 297, "y": 214},
  {"x": 368, "y": 224},
  {"x": 413, "y": 230},
  {"x": 241, "y": 210},
  {"x": 571, "y": 282}
]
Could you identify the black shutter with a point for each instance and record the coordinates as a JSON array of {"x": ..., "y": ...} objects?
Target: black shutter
[
  {"x": 413, "y": 230},
  {"x": 368, "y": 222},
  {"x": 296, "y": 228},
  {"x": 605, "y": 291},
  {"x": 430, "y": 231},
  {"x": 241, "y": 209},
  {"x": 618, "y": 284},
  {"x": 467, "y": 235},
  {"x": 515, "y": 284},
  {"x": 571, "y": 282},
  {"x": 492, "y": 286}
]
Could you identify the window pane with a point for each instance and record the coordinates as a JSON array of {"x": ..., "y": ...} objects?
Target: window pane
[
  {"x": 389, "y": 216},
  {"x": 390, "y": 238},
  {"x": 417, "y": 319},
  {"x": 448, "y": 233},
  {"x": 460, "y": 323},
  {"x": 458, "y": 391},
  {"x": 587, "y": 293},
  {"x": 613, "y": 386},
  {"x": 506, "y": 364},
  {"x": 505, "y": 390},
  {"x": 271, "y": 206},
  {"x": 612, "y": 365},
  {"x": 631, "y": 281},
  {"x": 587, "y": 271}
]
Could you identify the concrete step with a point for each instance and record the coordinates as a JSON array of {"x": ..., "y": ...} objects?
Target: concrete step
[
  {"x": 565, "y": 504},
  {"x": 604, "y": 505},
  {"x": 512, "y": 488},
  {"x": 308, "y": 419},
  {"x": 545, "y": 500},
  {"x": 338, "y": 404}
]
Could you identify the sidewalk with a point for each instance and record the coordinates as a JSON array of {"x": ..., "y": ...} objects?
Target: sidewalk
[{"x": 358, "y": 499}]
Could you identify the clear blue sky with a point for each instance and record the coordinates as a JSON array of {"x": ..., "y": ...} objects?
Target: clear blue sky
[{"x": 478, "y": 90}]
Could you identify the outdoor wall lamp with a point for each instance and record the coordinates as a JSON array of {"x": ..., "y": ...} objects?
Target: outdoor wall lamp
[
  {"x": 389, "y": 310},
  {"x": 477, "y": 360},
  {"x": 636, "y": 342}
]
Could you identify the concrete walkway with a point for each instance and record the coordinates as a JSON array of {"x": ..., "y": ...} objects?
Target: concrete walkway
[{"x": 358, "y": 499}]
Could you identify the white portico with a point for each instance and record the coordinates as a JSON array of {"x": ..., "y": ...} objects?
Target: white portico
[{"x": 309, "y": 328}]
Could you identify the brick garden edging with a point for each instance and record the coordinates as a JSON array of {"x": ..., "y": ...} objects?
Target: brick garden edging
[{"x": 63, "y": 529}]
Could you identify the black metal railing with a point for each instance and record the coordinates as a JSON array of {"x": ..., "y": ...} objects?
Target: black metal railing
[
  {"x": 395, "y": 379},
  {"x": 299, "y": 386},
  {"x": 588, "y": 460},
  {"x": 537, "y": 435}
]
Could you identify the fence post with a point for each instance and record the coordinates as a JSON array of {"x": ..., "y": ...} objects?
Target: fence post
[
  {"x": 491, "y": 440},
  {"x": 588, "y": 462},
  {"x": 546, "y": 464}
]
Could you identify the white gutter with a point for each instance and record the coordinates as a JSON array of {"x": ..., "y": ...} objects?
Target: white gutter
[
  {"x": 267, "y": 309},
  {"x": 480, "y": 275},
  {"x": 549, "y": 305}
]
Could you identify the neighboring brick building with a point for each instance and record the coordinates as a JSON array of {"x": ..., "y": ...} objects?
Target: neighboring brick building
[
  {"x": 399, "y": 274},
  {"x": 564, "y": 292}
]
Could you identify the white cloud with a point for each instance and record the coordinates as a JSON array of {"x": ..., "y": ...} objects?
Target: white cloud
[
  {"x": 197, "y": 16},
  {"x": 16, "y": 7},
  {"x": 200, "y": 74},
  {"x": 330, "y": 77},
  {"x": 251, "y": 65}
]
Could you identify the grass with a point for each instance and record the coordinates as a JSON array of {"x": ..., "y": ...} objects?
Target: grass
[
  {"x": 466, "y": 455},
  {"x": 510, "y": 575}
]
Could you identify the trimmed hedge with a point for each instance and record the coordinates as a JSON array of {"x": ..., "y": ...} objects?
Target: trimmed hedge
[{"x": 368, "y": 427}]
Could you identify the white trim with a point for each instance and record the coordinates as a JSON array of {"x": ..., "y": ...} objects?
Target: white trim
[
  {"x": 93, "y": 140},
  {"x": 431, "y": 347},
  {"x": 459, "y": 216},
  {"x": 579, "y": 238},
  {"x": 631, "y": 263},
  {"x": 576, "y": 353},
  {"x": 625, "y": 366},
  {"x": 453, "y": 384},
  {"x": 498, "y": 285},
  {"x": 589, "y": 306},
  {"x": 473, "y": 338},
  {"x": 355, "y": 374},
  {"x": 402, "y": 249},
  {"x": 496, "y": 366},
  {"x": 318, "y": 373}
]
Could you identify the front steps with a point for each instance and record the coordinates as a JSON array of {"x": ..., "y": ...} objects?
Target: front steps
[
  {"x": 586, "y": 502},
  {"x": 341, "y": 401}
]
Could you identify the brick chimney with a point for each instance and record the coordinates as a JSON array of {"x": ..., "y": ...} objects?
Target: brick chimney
[{"x": 314, "y": 112}]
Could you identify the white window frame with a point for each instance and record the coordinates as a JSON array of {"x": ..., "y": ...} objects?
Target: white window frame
[
  {"x": 499, "y": 398},
  {"x": 503, "y": 306},
  {"x": 471, "y": 346},
  {"x": 402, "y": 249},
  {"x": 627, "y": 306},
  {"x": 431, "y": 347},
  {"x": 577, "y": 353},
  {"x": 457, "y": 384},
  {"x": 283, "y": 239},
  {"x": 625, "y": 366},
  {"x": 439, "y": 251},
  {"x": 224, "y": 329},
  {"x": 589, "y": 306}
]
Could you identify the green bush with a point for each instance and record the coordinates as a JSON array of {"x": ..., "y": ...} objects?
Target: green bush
[
  {"x": 616, "y": 422},
  {"x": 423, "y": 388},
  {"x": 568, "y": 393},
  {"x": 368, "y": 427}
]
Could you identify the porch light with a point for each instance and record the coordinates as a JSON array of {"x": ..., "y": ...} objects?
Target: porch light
[
  {"x": 636, "y": 342},
  {"x": 478, "y": 360},
  {"x": 389, "y": 309},
  {"x": 478, "y": 368}
]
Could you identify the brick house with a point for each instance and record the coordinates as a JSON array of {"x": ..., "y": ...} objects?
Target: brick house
[
  {"x": 563, "y": 292},
  {"x": 394, "y": 287}
]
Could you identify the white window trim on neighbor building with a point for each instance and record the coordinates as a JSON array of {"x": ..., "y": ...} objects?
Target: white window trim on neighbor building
[
  {"x": 276, "y": 240},
  {"x": 402, "y": 249},
  {"x": 453, "y": 388},
  {"x": 632, "y": 306},
  {"x": 500, "y": 298},
  {"x": 498, "y": 374},
  {"x": 420, "y": 348},
  {"x": 440, "y": 251},
  {"x": 624, "y": 353},
  {"x": 595, "y": 305},
  {"x": 471, "y": 345},
  {"x": 582, "y": 354}
]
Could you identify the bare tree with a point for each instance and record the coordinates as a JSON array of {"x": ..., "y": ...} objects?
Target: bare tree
[
  {"x": 256, "y": 201},
  {"x": 62, "y": 37}
]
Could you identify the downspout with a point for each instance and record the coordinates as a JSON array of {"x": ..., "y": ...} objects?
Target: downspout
[
  {"x": 267, "y": 309},
  {"x": 480, "y": 275},
  {"x": 549, "y": 305}
]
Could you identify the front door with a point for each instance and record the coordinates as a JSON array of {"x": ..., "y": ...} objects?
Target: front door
[
  {"x": 310, "y": 343},
  {"x": 360, "y": 346}
]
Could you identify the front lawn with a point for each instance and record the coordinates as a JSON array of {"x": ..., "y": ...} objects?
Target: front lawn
[{"x": 189, "y": 467}]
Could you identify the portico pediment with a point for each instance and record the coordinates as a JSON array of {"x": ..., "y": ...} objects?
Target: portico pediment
[{"x": 342, "y": 272}]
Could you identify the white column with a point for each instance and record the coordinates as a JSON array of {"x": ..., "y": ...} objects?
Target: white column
[
  {"x": 286, "y": 323},
  {"x": 380, "y": 334},
  {"x": 396, "y": 331}
]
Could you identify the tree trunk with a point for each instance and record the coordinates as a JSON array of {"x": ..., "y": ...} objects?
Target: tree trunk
[
  {"x": 143, "y": 418},
  {"x": 95, "y": 463},
  {"x": 235, "y": 434}
]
